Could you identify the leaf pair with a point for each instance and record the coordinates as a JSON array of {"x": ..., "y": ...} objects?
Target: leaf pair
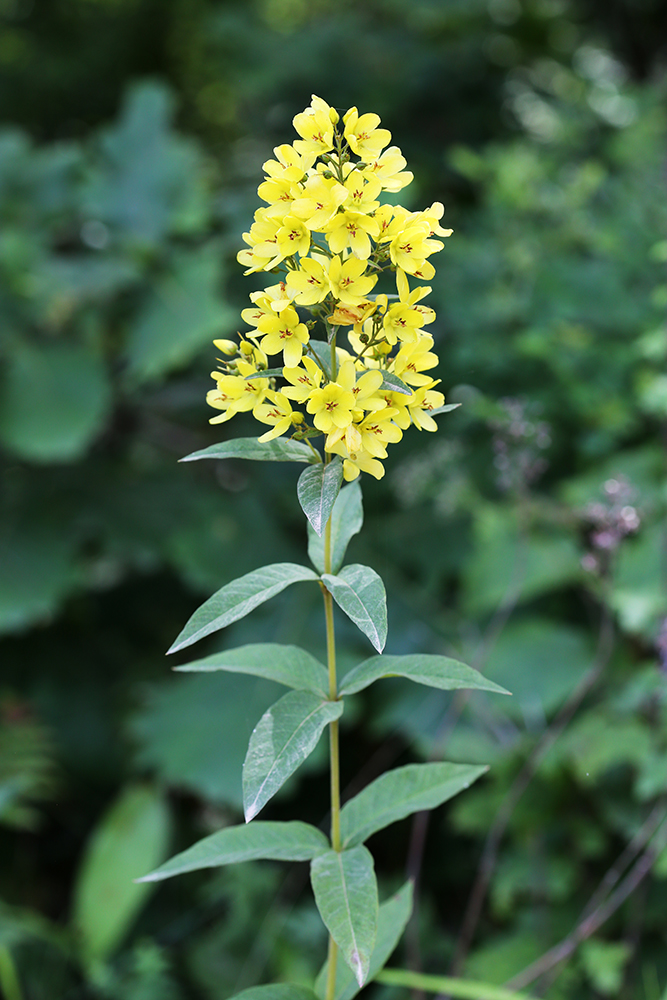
[{"x": 357, "y": 590}]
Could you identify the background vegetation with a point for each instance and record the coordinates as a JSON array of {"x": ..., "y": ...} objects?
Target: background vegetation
[{"x": 527, "y": 537}]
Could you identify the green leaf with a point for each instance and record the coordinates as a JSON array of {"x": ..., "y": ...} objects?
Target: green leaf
[
  {"x": 278, "y": 450},
  {"x": 130, "y": 839},
  {"x": 293, "y": 841},
  {"x": 276, "y": 991},
  {"x": 433, "y": 671},
  {"x": 346, "y": 894},
  {"x": 149, "y": 180},
  {"x": 346, "y": 520},
  {"x": 238, "y": 598},
  {"x": 447, "y": 408},
  {"x": 317, "y": 489},
  {"x": 182, "y": 313},
  {"x": 55, "y": 400},
  {"x": 457, "y": 989},
  {"x": 322, "y": 354},
  {"x": 282, "y": 739},
  {"x": 193, "y": 731},
  {"x": 393, "y": 916},
  {"x": 359, "y": 592},
  {"x": 288, "y": 665},
  {"x": 265, "y": 373},
  {"x": 39, "y": 569},
  {"x": 395, "y": 384},
  {"x": 401, "y": 792}
]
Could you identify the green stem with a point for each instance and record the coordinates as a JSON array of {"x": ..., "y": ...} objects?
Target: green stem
[
  {"x": 9, "y": 980},
  {"x": 462, "y": 989},
  {"x": 334, "y": 755},
  {"x": 334, "y": 360}
]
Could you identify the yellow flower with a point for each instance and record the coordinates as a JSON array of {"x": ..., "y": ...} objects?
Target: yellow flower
[
  {"x": 376, "y": 431},
  {"x": 432, "y": 216},
  {"x": 288, "y": 164},
  {"x": 410, "y": 248},
  {"x": 363, "y": 135},
  {"x": 352, "y": 229},
  {"x": 236, "y": 393},
  {"x": 278, "y": 412},
  {"x": 355, "y": 462},
  {"x": 310, "y": 282},
  {"x": 292, "y": 237},
  {"x": 413, "y": 298},
  {"x": 315, "y": 126},
  {"x": 344, "y": 315},
  {"x": 305, "y": 380},
  {"x": 284, "y": 332},
  {"x": 413, "y": 359},
  {"x": 332, "y": 407},
  {"x": 421, "y": 401},
  {"x": 361, "y": 193},
  {"x": 348, "y": 281},
  {"x": 280, "y": 195},
  {"x": 388, "y": 170},
  {"x": 319, "y": 201},
  {"x": 262, "y": 242},
  {"x": 363, "y": 391}
]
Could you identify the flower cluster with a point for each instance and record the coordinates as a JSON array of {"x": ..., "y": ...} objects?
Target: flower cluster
[{"x": 326, "y": 230}]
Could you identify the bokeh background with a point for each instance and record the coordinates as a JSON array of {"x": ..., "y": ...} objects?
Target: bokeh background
[{"x": 527, "y": 537}]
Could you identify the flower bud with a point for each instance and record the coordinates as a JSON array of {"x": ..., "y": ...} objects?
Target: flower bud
[
  {"x": 333, "y": 116},
  {"x": 227, "y": 347},
  {"x": 246, "y": 347},
  {"x": 297, "y": 418}
]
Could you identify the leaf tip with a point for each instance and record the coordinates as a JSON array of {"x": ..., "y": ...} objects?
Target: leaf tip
[
  {"x": 359, "y": 968},
  {"x": 250, "y": 812}
]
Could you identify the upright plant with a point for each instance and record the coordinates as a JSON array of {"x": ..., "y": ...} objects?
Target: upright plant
[{"x": 325, "y": 226}]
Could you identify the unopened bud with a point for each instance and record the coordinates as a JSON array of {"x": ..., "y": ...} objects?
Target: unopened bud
[
  {"x": 227, "y": 347},
  {"x": 246, "y": 347},
  {"x": 364, "y": 338},
  {"x": 327, "y": 175},
  {"x": 297, "y": 418},
  {"x": 333, "y": 116}
]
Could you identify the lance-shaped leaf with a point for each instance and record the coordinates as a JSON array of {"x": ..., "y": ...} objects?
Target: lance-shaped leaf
[
  {"x": 282, "y": 739},
  {"x": 317, "y": 489},
  {"x": 347, "y": 518},
  {"x": 276, "y": 991},
  {"x": 447, "y": 408},
  {"x": 393, "y": 916},
  {"x": 322, "y": 354},
  {"x": 395, "y": 384},
  {"x": 238, "y": 598},
  {"x": 293, "y": 841},
  {"x": 288, "y": 665},
  {"x": 278, "y": 450},
  {"x": 433, "y": 671},
  {"x": 346, "y": 894},
  {"x": 399, "y": 793},
  {"x": 266, "y": 373},
  {"x": 359, "y": 592}
]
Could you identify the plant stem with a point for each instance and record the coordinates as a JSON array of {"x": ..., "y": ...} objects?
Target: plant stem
[{"x": 334, "y": 755}]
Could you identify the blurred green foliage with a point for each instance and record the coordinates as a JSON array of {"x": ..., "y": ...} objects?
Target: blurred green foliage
[{"x": 133, "y": 143}]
